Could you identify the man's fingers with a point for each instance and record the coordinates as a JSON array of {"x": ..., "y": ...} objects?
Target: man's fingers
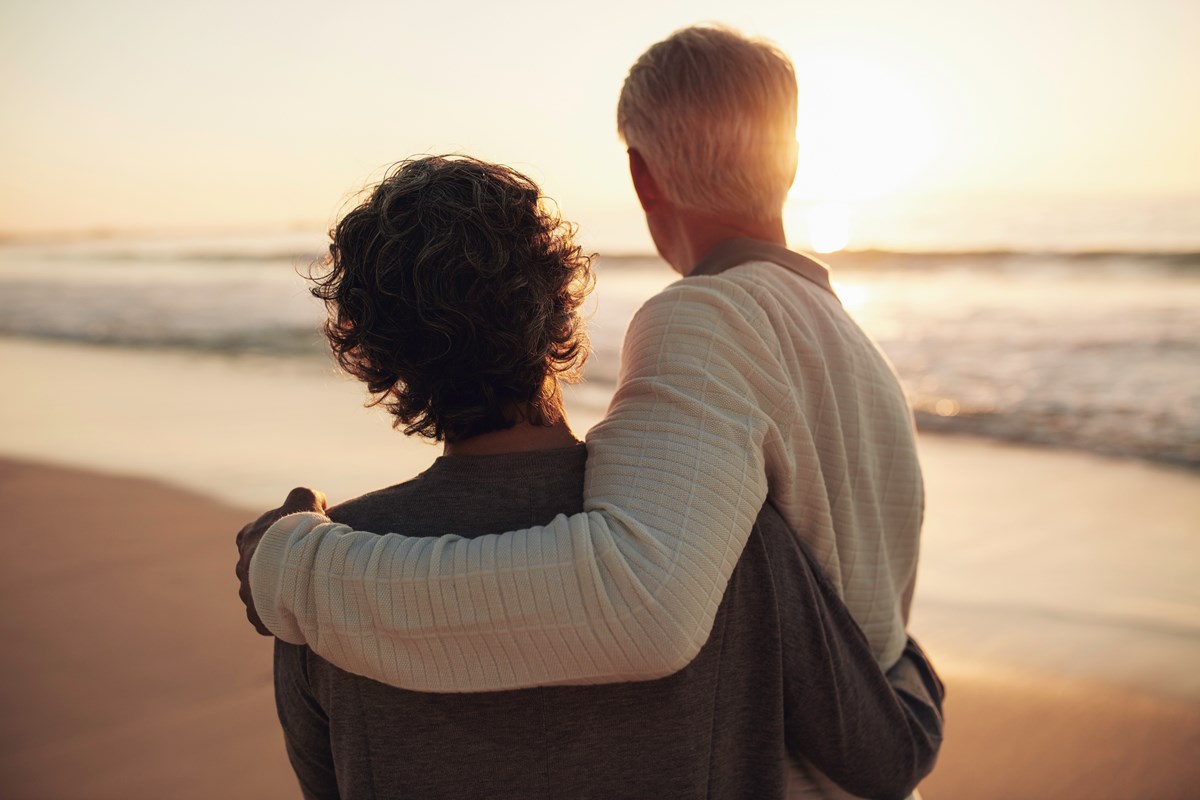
[
  {"x": 251, "y": 612},
  {"x": 299, "y": 499},
  {"x": 262, "y": 630},
  {"x": 304, "y": 499}
]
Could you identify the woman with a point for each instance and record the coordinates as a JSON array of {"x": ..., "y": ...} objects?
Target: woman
[{"x": 454, "y": 294}]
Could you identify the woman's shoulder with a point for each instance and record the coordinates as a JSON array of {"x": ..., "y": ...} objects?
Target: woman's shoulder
[{"x": 474, "y": 495}]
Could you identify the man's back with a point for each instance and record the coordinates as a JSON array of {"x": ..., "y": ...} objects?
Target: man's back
[
  {"x": 715, "y": 729},
  {"x": 841, "y": 460}
]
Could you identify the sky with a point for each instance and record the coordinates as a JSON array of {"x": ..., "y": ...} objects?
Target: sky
[{"x": 143, "y": 114}]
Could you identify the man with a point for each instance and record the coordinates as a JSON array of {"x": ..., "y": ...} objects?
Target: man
[{"x": 744, "y": 380}]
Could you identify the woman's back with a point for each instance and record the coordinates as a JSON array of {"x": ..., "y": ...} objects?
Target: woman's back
[{"x": 715, "y": 729}]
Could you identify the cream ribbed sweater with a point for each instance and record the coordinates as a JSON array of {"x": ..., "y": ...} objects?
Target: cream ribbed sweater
[{"x": 731, "y": 386}]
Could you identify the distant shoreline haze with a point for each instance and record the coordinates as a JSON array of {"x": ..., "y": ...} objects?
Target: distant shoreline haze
[
  {"x": 976, "y": 225},
  {"x": 1095, "y": 351}
]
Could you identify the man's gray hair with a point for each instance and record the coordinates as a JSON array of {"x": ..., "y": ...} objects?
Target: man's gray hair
[{"x": 713, "y": 114}]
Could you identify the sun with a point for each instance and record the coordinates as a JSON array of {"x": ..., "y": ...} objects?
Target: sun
[{"x": 865, "y": 131}]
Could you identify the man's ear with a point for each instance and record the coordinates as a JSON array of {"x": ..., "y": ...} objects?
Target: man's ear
[{"x": 648, "y": 192}]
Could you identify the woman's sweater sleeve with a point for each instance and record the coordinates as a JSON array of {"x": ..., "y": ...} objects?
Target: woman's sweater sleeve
[{"x": 626, "y": 590}]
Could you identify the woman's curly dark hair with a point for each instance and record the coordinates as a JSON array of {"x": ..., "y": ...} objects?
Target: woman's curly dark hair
[{"x": 453, "y": 292}]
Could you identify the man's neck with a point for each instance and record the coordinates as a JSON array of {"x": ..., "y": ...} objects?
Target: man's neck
[
  {"x": 698, "y": 233},
  {"x": 520, "y": 438}
]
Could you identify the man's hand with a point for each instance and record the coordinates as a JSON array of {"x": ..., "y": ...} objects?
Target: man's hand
[{"x": 299, "y": 499}]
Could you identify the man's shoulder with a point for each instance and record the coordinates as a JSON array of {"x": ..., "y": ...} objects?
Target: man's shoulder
[
  {"x": 708, "y": 302},
  {"x": 748, "y": 285},
  {"x": 763, "y": 281},
  {"x": 749, "y": 303}
]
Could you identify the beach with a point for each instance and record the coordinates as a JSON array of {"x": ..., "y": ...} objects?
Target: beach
[
  {"x": 1057, "y": 592},
  {"x": 1006, "y": 196},
  {"x": 139, "y": 678}
]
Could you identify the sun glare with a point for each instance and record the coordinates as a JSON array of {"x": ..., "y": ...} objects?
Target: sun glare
[
  {"x": 828, "y": 226},
  {"x": 865, "y": 132}
]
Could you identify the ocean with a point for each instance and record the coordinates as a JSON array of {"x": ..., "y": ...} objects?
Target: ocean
[
  {"x": 198, "y": 362},
  {"x": 1097, "y": 350}
]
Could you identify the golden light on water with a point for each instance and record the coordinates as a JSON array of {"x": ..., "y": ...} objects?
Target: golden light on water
[
  {"x": 853, "y": 295},
  {"x": 946, "y": 407}
]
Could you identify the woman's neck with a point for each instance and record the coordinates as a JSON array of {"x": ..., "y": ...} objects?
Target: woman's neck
[{"x": 520, "y": 438}]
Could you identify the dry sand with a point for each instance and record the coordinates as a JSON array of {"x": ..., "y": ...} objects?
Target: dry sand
[{"x": 128, "y": 674}]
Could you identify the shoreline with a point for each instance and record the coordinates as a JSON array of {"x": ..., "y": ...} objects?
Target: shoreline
[
  {"x": 1069, "y": 563},
  {"x": 587, "y": 401},
  {"x": 1058, "y": 591},
  {"x": 139, "y": 677}
]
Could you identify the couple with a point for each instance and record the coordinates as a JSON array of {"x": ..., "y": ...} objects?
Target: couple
[{"x": 709, "y": 599}]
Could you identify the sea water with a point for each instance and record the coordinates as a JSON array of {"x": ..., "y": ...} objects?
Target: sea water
[
  {"x": 200, "y": 361},
  {"x": 1085, "y": 349}
]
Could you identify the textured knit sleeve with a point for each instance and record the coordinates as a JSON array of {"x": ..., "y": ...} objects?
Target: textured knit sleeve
[{"x": 626, "y": 590}]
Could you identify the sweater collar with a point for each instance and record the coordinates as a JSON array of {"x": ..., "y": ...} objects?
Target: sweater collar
[{"x": 734, "y": 252}]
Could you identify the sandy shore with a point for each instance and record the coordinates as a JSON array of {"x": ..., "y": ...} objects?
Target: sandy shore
[
  {"x": 128, "y": 674},
  {"x": 120, "y": 680},
  {"x": 1059, "y": 592}
]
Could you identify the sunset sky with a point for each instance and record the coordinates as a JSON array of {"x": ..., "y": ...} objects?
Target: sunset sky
[{"x": 213, "y": 115}]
